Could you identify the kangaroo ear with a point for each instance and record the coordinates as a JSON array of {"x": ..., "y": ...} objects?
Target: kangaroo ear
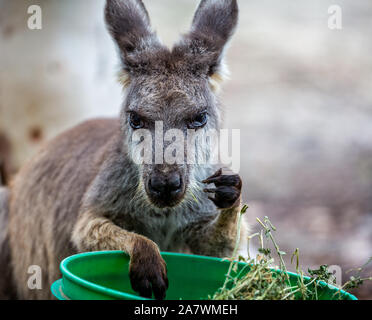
[
  {"x": 129, "y": 25},
  {"x": 212, "y": 27}
]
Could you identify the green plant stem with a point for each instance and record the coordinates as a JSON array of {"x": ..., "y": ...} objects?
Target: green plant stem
[{"x": 237, "y": 243}]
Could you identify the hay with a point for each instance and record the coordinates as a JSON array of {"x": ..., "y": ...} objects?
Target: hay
[{"x": 257, "y": 280}]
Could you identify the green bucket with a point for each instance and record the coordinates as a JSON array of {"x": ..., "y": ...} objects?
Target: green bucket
[{"x": 104, "y": 276}]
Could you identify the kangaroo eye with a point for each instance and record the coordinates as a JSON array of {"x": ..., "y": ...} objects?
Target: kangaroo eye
[
  {"x": 135, "y": 121},
  {"x": 198, "y": 121}
]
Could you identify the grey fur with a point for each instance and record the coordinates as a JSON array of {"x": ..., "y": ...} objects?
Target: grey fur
[
  {"x": 83, "y": 190},
  {"x": 6, "y": 285}
]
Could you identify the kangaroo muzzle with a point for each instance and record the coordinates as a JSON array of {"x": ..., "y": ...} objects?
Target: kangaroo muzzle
[{"x": 165, "y": 189}]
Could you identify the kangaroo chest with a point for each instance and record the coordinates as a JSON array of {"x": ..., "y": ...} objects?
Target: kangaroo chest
[
  {"x": 164, "y": 230},
  {"x": 167, "y": 232}
]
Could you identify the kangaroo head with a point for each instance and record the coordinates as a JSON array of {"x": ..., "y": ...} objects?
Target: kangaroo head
[{"x": 169, "y": 89}]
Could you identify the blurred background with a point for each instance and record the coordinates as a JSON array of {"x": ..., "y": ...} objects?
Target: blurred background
[{"x": 300, "y": 93}]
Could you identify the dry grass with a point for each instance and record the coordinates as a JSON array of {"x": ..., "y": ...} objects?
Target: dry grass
[{"x": 256, "y": 279}]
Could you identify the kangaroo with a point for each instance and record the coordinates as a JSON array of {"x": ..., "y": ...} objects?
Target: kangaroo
[{"x": 84, "y": 191}]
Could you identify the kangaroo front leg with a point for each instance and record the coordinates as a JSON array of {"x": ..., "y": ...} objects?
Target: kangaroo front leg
[
  {"x": 148, "y": 272},
  {"x": 217, "y": 236}
]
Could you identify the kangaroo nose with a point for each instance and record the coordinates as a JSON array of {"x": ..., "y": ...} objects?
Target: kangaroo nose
[{"x": 163, "y": 185}]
